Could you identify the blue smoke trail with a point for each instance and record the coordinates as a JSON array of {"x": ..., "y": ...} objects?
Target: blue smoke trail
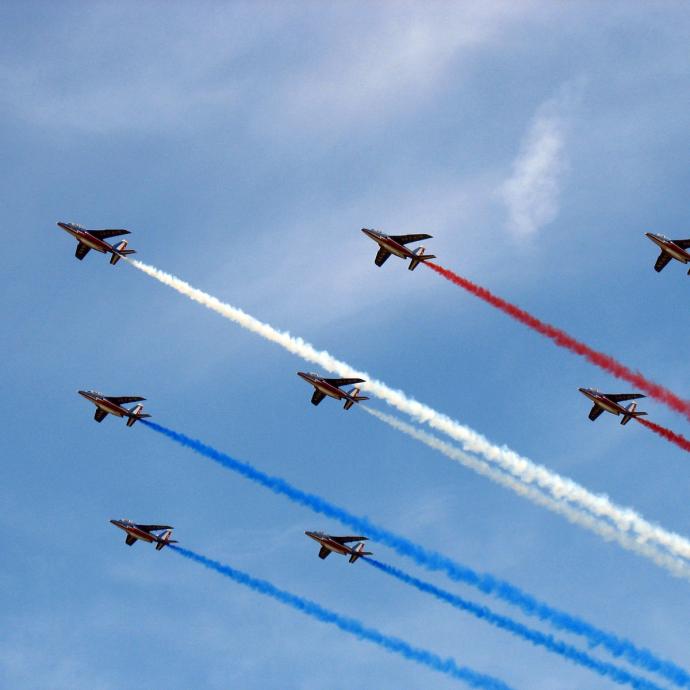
[
  {"x": 350, "y": 625},
  {"x": 537, "y": 638},
  {"x": 433, "y": 560}
]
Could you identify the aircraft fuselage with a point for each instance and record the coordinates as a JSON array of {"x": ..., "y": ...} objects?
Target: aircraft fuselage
[
  {"x": 324, "y": 387},
  {"x": 106, "y": 405},
  {"x": 602, "y": 401},
  {"x": 670, "y": 247},
  {"x": 135, "y": 532},
  {"x": 87, "y": 238},
  {"x": 330, "y": 544},
  {"x": 389, "y": 244}
]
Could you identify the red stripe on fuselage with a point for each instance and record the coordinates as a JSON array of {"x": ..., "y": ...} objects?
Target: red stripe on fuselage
[
  {"x": 671, "y": 248},
  {"x": 111, "y": 408},
  {"x": 91, "y": 241},
  {"x": 394, "y": 248},
  {"x": 608, "y": 405},
  {"x": 137, "y": 533},
  {"x": 329, "y": 390}
]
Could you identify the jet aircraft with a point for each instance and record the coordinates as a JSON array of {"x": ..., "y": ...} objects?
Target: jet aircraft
[
  {"x": 145, "y": 533},
  {"x": 331, "y": 387},
  {"x": 670, "y": 249},
  {"x": 609, "y": 402},
  {"x": 330, "y": 544},
  {"x": 113, "y": 405},
  {"x": 95, "y": 239},
  {"x": 395, "y": 244}
]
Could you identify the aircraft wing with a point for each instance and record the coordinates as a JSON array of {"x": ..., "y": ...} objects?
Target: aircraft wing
[
  {"x": 100, "y": 415},
  {"x": 129, "y": 540},
  {"x": 324, "y": 552},
  {"x": 82, "y": 250},
  {"x": 406, "y": 239},
  {"x": 620, "y": 397},
  {"x": 317, "y": 397},
  {"x": 124, "y": 399},
  {"x": 104, "y": 234},
  {"x": 661, "y": 262},
  {"x": 683, "y": 244},
  {"x": 595, "y": 412},
  {"x": 345, "y": 540},
  {"x": 381, "y": 256},
  {"x": 343, "y": 382},
  {"x": 153, "y": 528}
]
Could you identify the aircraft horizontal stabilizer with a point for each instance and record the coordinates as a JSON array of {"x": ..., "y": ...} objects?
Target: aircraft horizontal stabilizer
[
  {"x": 136, "y": 413},
  {"x": 165, "y": 540},
  {"x": 120, "y": 250},
  {"x": 419, "y": 256},
  {"x": 631, "y": 412},
  {"x": 358, "y": 552},
  {"x": 353, "y": 398}
]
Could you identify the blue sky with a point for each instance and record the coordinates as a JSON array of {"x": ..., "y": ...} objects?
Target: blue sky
[{"x": 245, "y": 145}]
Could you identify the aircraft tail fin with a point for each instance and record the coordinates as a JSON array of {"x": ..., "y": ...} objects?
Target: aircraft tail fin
[
  {"x": 354, "y": 397},
  {"x": 419, "y": 256},
  {"x": 359, "y": 552},
  {"x": 165, "y": 540},
  {"x": 136, "y": 413},
  {"x": 120, "y": 251},
  {"x": 631, "y": 411}
]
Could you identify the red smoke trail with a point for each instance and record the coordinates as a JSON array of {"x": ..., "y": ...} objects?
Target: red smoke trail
[
  {"x": 669, "y": 435},
  {"x": 562, "y": 339}
]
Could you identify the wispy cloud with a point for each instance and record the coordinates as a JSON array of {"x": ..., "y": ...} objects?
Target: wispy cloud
[
  {"x": 161, "y": 79},
  {"x": 532, "y": 192}
]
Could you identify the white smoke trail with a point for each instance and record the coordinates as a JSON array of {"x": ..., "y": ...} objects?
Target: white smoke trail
[
  {"x": 561, "y": 488},
  {"x": 675, "y": 566}
]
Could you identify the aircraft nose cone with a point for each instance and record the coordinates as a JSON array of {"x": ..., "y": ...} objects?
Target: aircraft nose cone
[
  {"x": 113, "y": 522},
  {"x": 82, "y": 393}
]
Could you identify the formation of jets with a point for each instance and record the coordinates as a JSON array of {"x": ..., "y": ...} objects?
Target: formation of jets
[{"x": 323, "y": 386}]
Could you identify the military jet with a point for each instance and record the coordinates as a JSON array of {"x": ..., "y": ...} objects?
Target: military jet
[
  {"x": 395, "y": 244},
  {"x": 338, "y": 545},
  {"x": 609, "y": 402},
  {"x": 670, "y": 249},
  {"x": 145, "y": 533},
  {"x": 331, "y": 387},
  {"x": 113, "y": 405},
  {"x": 94, "y": 239}
]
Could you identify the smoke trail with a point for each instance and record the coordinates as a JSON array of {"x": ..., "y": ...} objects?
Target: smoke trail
[
  {"x": 669, "y": 435},
  {"x": 447, "y": 666},
  {"x": 537, "y": 638},
  {"x": 675, "y": 566},
  {"x": 562, "y": 339},
  {"x": 433, "y": 560},
  {"x": 561, "y": 488}
]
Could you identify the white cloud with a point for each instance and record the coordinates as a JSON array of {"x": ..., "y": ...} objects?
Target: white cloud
[
  {"x": 532, "y": 192},
  {"x": 387, "y": 60},
  {"x": 279, "y": 70}
]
